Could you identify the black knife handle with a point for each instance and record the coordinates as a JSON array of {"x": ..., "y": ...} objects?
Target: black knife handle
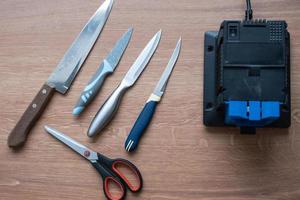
[{"x": 19, "y": 134}]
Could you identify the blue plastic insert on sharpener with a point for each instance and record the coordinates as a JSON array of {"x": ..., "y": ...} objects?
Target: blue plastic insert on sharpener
[{"x": 251, "y": 113}]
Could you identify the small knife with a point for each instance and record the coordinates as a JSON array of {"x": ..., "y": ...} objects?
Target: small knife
[
  {"x": 147, "y": 113},
  {"x": 109, "y": 108},
  {"x": 62, "y": 77},
  {"x": 107, "y": 67}
]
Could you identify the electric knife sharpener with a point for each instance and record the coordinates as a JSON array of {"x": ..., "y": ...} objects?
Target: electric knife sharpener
[{"x": 247, "y": 74}]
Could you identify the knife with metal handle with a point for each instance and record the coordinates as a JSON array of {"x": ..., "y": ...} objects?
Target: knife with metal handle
[
  {"x": 62, "y": 77},
  {"x": 147, "y": 113},
  {"x": 110, "y": 107},
  {"x": 107, "y": 67}
]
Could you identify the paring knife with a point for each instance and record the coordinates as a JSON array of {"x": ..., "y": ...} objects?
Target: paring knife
[
  {"x": 107, "y": 67},
  {"x": 147, "y": 113},
  {"x": 62, "y": 77},
  {"x": 109, "y": 108}
]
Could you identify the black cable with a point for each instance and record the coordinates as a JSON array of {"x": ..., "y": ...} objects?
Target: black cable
[{"x": 249, "y": 11}]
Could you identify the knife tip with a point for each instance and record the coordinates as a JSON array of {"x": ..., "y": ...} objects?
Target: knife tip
[
  {"x": 179, "y": 42},
  {"x": 47, "y": 128},
  {"x": 129, "y": 32},
  {"x": 158, "y": 34}
]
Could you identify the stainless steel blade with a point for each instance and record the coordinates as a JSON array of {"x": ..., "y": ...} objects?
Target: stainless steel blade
[
  {"x": 115, "y": 55},
  {"x": 161, "y": 85},
  {"x": 142, "y": 60},
  {"x": 68, "y": 67},
  {"x": 79, "y": 148}
]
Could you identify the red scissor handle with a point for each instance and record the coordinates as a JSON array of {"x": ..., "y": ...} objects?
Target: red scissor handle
[
  {"x": 112, "y": 174},
  {"x": 108, "y": 182},
  {"x": 117, "y": 164}
]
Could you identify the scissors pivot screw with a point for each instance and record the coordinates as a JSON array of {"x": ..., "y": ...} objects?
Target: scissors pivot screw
[{"x": 87, "y": 154}]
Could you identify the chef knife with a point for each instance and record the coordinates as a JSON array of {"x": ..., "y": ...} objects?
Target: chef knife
[
  {"x": 62, "y": 77},
  {"x": 107, "y": 67},
  {"x": 109, "y": 108},
  {"x": 147, "y": 113}
]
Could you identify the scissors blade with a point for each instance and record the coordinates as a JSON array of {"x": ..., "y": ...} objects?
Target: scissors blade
[
  {"x": 79, "y": 148},
  {"x": 161, "y": 85}
]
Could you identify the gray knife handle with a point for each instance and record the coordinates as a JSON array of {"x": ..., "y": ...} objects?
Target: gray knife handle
[
  {"x": 108, "y": 110},
  {"x": 93, "y": 87}
]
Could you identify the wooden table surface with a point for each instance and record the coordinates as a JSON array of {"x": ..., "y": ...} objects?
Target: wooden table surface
[{"x": 178, "y": 157}]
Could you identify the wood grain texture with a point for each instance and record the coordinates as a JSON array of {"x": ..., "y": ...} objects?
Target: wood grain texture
[{"x": 178, "y": 157}]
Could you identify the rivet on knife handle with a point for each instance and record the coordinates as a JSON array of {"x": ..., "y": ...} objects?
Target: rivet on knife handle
[{"x": 19, "y": 134}]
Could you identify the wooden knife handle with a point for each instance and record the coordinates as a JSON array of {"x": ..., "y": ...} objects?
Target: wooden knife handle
[{"x": 19, "y": 134}]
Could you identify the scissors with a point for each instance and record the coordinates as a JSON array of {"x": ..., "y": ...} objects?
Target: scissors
[{"x": 108, "y": 168}]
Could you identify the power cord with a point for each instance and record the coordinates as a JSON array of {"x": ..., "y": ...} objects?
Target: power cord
[{"x": 249, "y": 11}]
